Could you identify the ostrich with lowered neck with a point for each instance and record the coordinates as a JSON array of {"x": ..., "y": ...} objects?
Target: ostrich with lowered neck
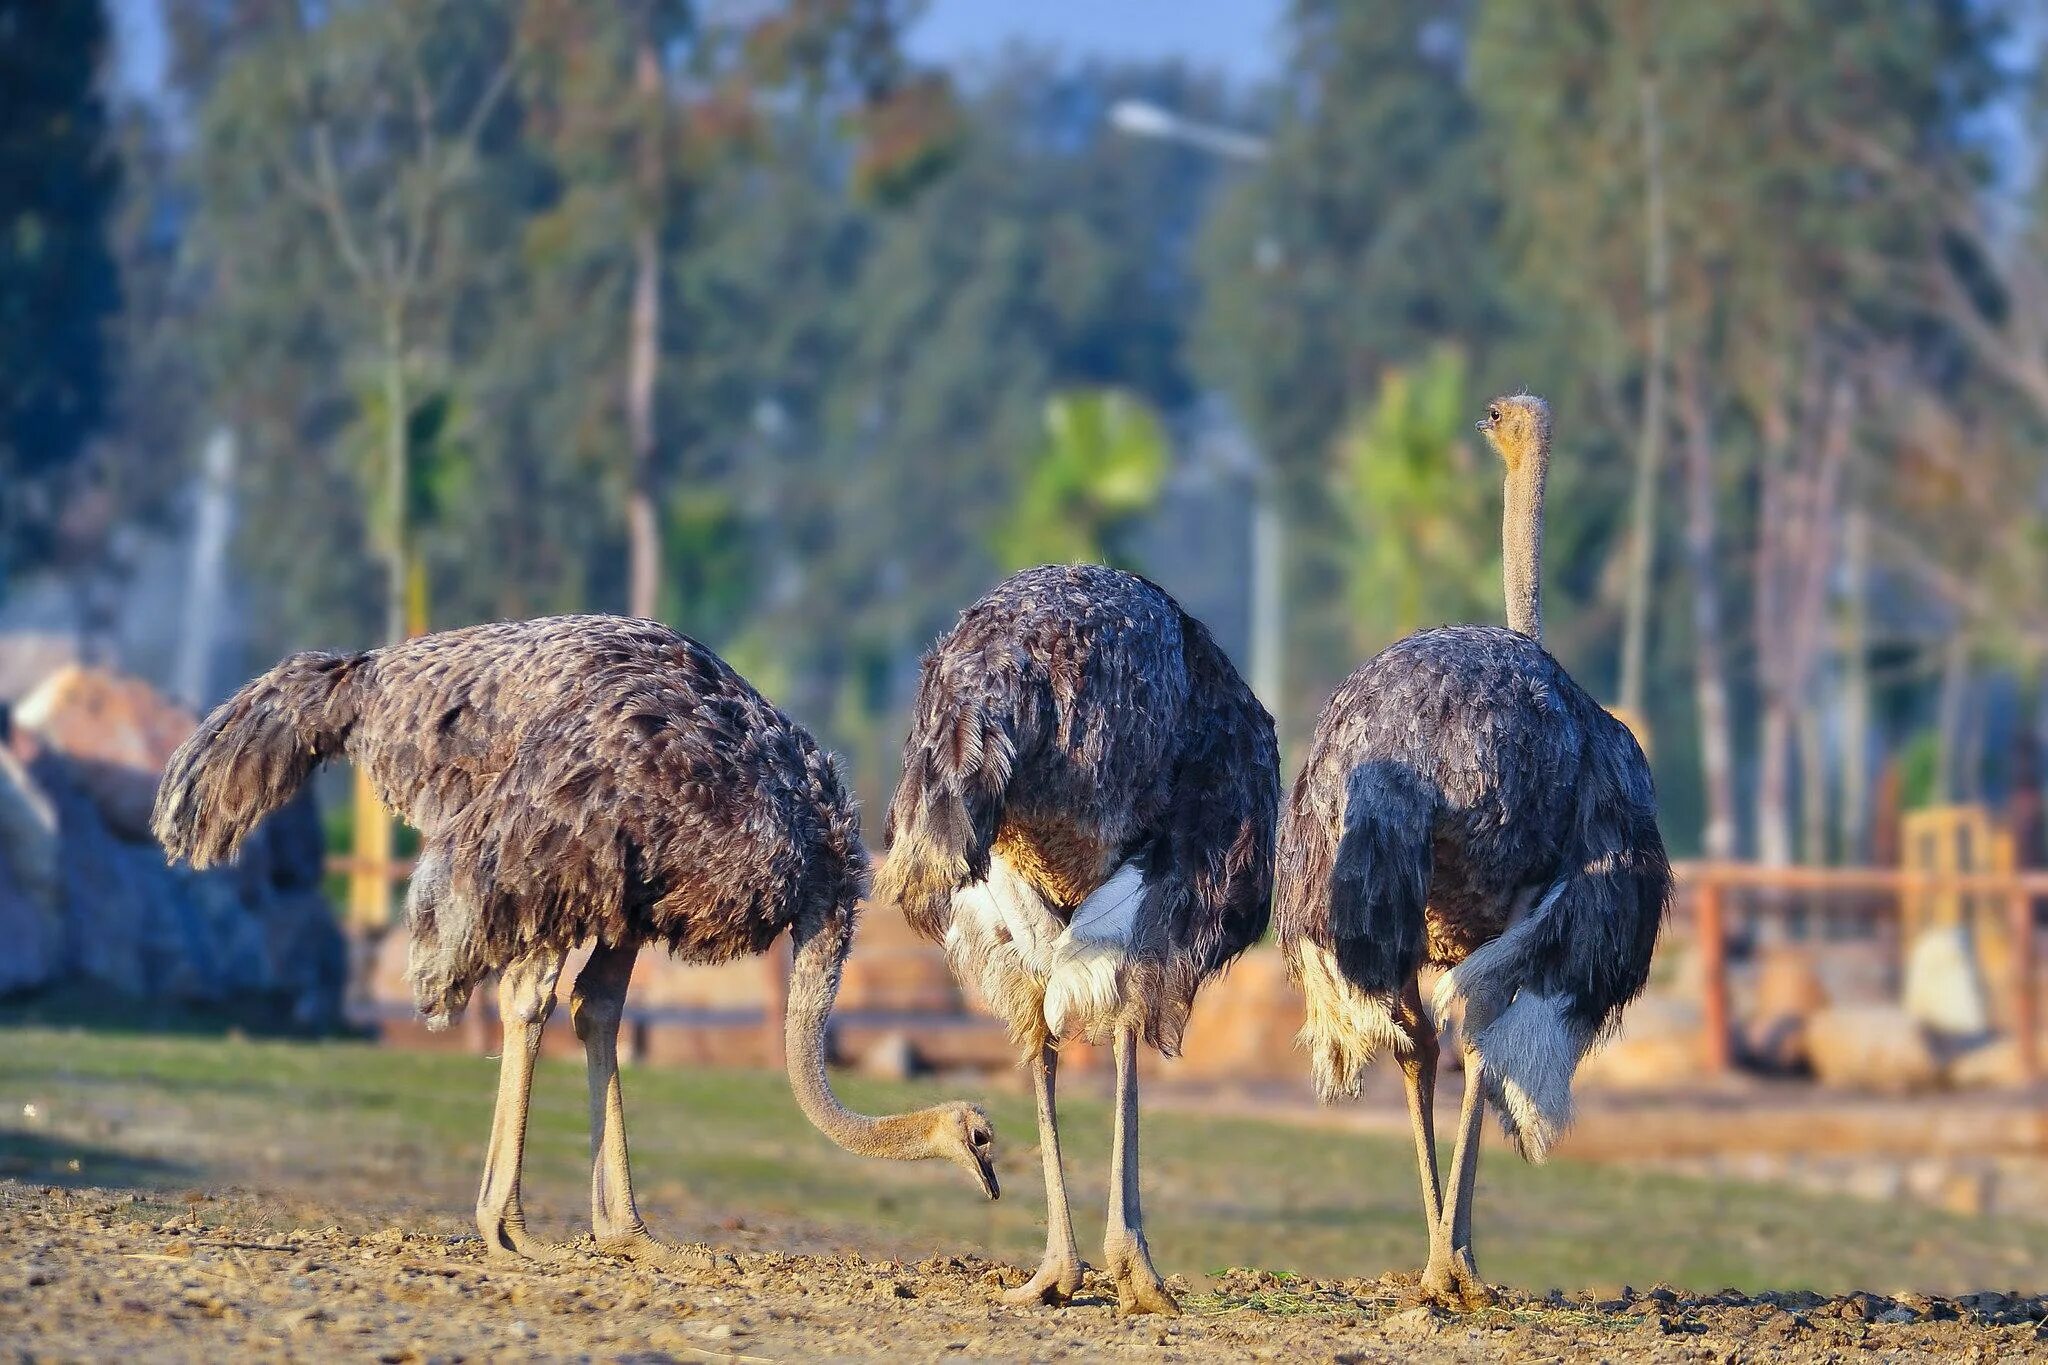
[
  {"x": 1467, "y": 805},
  {"x": 573, "y": 778},
  {"x": 1086, "y": 822}
]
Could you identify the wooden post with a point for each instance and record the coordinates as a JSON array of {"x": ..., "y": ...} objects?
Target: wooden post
[
  {"x": 1713, "y": 950},
  {"x": 2026, "y": 1019},
  {"x": 369, "y": 874}
]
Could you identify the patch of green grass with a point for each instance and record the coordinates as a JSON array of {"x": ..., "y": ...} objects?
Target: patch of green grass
[{"x": 156, "y": 1112}]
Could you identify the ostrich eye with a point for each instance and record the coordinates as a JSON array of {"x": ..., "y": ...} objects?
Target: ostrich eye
[{"x": 1493, "y": 414}]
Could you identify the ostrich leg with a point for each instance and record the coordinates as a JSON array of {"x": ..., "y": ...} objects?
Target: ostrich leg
[
  {"x": 1138, "y": 1286},
  {"x": 526, "y": 996},
  {"x": 596, "y": 1005},
  {"x": 1059, "y": 1275},
  {"x": 1418, "y": 1076},
  {"x": 1452, "y": 1277}
]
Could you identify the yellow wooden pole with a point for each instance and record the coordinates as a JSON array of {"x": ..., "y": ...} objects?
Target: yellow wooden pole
[
  {"x": 369, "y": 874},
  {"x": 371, "y": 877}
]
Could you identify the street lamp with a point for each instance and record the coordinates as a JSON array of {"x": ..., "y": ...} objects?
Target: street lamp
[{"x": 1142, "y": 118}]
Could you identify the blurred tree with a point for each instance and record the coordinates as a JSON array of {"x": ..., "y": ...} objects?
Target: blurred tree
[
  {"x": 350, "y": 138},
  {"x": 1102, "y": 464},
  {"x": 1424, "y": 507},
  {"x": 1774, "y": 328},
  {"x": 58, "y": 284},
  {"x": 1362, "y": 243}
]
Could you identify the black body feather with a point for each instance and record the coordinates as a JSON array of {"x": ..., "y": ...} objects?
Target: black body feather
[
  {"x": 1456, "y": 779},
  {"x": 1078, "y": 718}
]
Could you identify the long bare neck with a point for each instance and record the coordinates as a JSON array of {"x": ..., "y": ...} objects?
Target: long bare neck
[
  {"x": 1521, "y": 534},
  {"x": 813, "y": 986}
]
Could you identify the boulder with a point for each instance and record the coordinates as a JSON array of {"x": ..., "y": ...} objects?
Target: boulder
[
  {"x": 1659, "y": 1045},
  {"x": 31, "y": 919},
  {"x": 86, "y": 896},
  {"x": 892, "y": 1058},
  {"x": 1944, "y": 990},
  {"x": 28, "y": 657},
  {"x": 1244, "y": 1022},
  {"x": 1789, "y": 992},
  {"x": 117, "y": 734},
  {"x": 1992, "y": 1065},
  {"x": 1871, "y": 1047}
]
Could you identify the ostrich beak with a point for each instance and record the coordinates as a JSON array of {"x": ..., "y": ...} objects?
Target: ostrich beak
[
  {"x": 1483, "y": 424},
  {"x": 987, "y": 1175}
]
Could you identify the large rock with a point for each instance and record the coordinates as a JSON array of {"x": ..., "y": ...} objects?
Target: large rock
[
  {"x": 1660, "y": 1045},
  {"x": 1871, "y": 1047},
  {"x": 1944, "y": 989},
  {"x": 31, "y": 918},
  {"x": 85, "y": 894},
  {"x": 117, "y": 734},
  {"x": 1244, "y": 1022},
  {"x": 28, "y": 657},
  {"x": 1789, "y": 992}
]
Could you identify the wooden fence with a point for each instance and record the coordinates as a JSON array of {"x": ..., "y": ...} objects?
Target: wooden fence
[
  {"x": 1879, "y": 893},
  {"x": 1704, "y": 889}
]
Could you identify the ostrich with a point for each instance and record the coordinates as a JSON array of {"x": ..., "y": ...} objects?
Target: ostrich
[
  {"x": 1086, "y": 822},
  {"x": 573, "y": 778},
  {"x": 1466, "y": 804}
]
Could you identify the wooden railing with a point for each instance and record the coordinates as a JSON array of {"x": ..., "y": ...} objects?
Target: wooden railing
[
  {"x": 1703, "y": 901},
  {"x": 1704, "y": 887}
]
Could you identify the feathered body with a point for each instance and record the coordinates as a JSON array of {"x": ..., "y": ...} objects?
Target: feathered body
[
  {"x": 1086, "y": 822},
  {"x": 572, "y": 778},
  {"x": 1466, "y": 802},
  {"x": 1087, "y": 809}
]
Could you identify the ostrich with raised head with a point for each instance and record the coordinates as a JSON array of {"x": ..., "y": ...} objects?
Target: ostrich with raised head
[
  {"x": 1466, "y": 805},
  {"x": 1086, "y": 823},
  {"x": 573, "y": 779}
]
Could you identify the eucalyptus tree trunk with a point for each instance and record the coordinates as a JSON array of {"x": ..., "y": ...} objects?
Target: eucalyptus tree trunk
[
  {"x": 1853, "y": 812},
  {"x": 1951, "y": 719},
  {"x": 1813, "y": 784},
  {"x": 643, "y": 521},
  {"x": 397, "y": 478},
  {"x": 1650, "y": 445},
  {"x": 1709, "y": 669}
]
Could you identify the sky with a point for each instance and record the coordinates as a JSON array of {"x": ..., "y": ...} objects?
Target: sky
[
  {"x": 1236, "y": 37},
  {"x": 1239, "y": 38}
]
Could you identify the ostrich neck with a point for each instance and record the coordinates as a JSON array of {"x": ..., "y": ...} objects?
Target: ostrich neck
[
  {"x": 1522, "y": 543},
  {"x": 813, "y": 986}
]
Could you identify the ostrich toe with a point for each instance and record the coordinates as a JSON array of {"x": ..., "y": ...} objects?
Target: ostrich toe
[
  {"x": 1054, "y": 1283},
  {"x": 647, "y": 1249},
  {"x": 508, "y": 1240},
  {"x": 1138, "y": 1286},
  {"x": 1452, "y": 1282}
]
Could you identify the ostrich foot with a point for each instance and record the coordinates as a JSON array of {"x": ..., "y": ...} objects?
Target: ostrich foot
[
  {"x": 1057, "y": 1280},
  {"x": 508, "y": 1240},
  {"x": 1452, "y": 1282},
  {"x": 642, "y": 1246},
  {"x": 1138, "y": 1286}
]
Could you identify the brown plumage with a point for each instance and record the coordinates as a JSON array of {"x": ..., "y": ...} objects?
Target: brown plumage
[
  {"x": 574, "y": 778},
  {"x": 1086, "y": 823}
]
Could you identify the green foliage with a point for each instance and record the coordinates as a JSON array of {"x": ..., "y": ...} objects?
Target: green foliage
[
  {"x": 1102, "y": 464},
  {"x": 1364, "y": 241},
  {"x": 1424, "y": 506}
]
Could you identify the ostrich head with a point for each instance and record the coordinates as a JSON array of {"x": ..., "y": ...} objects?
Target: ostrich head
[
  {"x": 1518, "y": 429},
  {"x": 961, "y": 1134}
]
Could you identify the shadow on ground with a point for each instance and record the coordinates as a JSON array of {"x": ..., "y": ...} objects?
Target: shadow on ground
[{"x": 47, "y": 1159}]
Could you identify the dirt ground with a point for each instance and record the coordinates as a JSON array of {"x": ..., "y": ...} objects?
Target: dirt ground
[{"x": 235, "y": 1274}]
